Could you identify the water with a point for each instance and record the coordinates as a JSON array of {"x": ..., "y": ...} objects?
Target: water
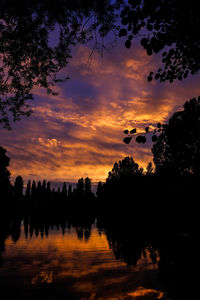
[{"x": 74, "y": 261}]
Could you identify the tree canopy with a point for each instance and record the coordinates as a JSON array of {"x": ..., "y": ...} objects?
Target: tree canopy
[
  {"x": 177, "y": 149},
  {"x": 28, "y": 55},
  {"x": 169, "y": 25},
  {"x": 31, "y": 56},
  {"x": 126, "y": 167}
]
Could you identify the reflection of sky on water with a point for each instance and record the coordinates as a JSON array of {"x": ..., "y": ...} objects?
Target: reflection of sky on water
[{"x": 85, "y": 267}]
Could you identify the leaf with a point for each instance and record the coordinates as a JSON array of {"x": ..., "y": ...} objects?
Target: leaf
[
  {"x": 126, "y": 131},
  {"x": 123, "y": 32},
  {"x": 133, "y": 131},
  {"x": 143, "y": 41},
  {"x": 128, "y": 44},
  {"x": 127, "y": 139},
  {"x": 159, "y": 125},
  {"x": 138, "y": 139},
  {"x": 141, "y": 139},
  {"x": 154, "y": 138}
]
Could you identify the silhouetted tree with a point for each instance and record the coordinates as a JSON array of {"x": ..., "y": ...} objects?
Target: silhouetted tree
[
  {"x": 48, "y": 187},
  {"x": 39, "y": 189},
  {"x": 80, "y": 187},
  {"x": 5, "y": 185},
  {"x": 177, "y": 150},
  {"x": 169, "y": 25},
  {"x": 64, "y": 190},
  {"x": 44, "y": 186},
  {"x": 18, "y": 187},
  {"x": 29, "y": 56},
  {"x": 126, "y": 167},
  {"x": 88, "y": 186},
  {"x": 149, "y": 169},
  {"x": 69, "y": 190},
  {"x": 28, "y": 190},
  {"x": 33, "y": 190}
]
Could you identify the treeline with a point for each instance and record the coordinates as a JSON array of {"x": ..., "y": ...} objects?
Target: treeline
[
  {"x": 147, "y": 196},
  {"x": 38, "y": 191}
]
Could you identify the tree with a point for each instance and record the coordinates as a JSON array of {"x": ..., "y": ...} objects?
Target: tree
[
  {"x": 177, "y": 149},
  {"x": 149, "y": 169},
  {"x": 88, "y": 186},
  {"x": 39, "y": 189},
  {"x": 64, "y": 190},
  {"x": 28, "y": 190},
  {"x": 18, "y": 187},
  {"x": 80, "y": 187},
  {"x": 44, "y": 186},
  {"x": 171, "y": 26},
  {"x": 70, "y": 190},
  {"x": 29, "y": 57},
  {"x": 4, "y": 173},
  {"x": 126, "y": 167},
  {"x": 33, "y": 190},
  {"x": 99, "y": 189},
  {"x": 48, "y": 187}
]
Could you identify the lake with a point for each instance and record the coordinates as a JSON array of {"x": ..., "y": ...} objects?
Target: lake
[{"x": 86, "y": 259}]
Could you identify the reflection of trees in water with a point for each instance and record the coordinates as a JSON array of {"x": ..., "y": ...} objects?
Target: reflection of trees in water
[
  {"x": 172, "y": 250},
  {"x": 9, "y": 226},
  {"x": 40, "y": 224}
]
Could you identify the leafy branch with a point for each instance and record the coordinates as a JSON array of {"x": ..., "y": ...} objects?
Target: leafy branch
[{"x": 141, "y": 137}]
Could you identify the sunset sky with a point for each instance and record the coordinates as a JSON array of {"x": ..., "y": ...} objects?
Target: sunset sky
[{"x": 79, "y": 133}]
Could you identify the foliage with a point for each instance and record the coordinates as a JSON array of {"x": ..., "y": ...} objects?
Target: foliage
[
  {"x": 18, "y": 187},
  {"x": 141, "y": 137},
  {"x": 126, "y": 167},
  {"x": 31, "y": 56},
  {"x": 177, "y": 149},
  {"x": 83, "y": 187},
  {"x": 171, "y": 26},
  {"x": 4, "y": 173}
]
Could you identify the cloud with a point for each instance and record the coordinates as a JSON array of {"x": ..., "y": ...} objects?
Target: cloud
[{"x": 79, "y": 133}]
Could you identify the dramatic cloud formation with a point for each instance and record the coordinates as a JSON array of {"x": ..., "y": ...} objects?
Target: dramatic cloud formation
[{"x": 79, "y": 133}]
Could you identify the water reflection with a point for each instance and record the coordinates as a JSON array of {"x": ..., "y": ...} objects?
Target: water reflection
[{"x": 93, "y": 258}]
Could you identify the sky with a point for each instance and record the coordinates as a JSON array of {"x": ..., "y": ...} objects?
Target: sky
[{"x": 79, "y": 133}]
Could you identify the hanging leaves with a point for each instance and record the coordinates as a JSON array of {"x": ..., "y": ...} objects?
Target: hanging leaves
[
  {"x": 128, "y": 44},
  {"x": 122, "y": 32},
  {"x": 126, "y": 131},
  {"x": 141, "y": 138},
  {"x": 133, "y": 131},
  {"x": 127, "y": 139}
]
